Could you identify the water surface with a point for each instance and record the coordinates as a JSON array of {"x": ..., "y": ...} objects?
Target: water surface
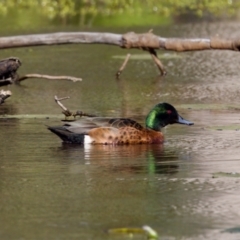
[{"x": 50, "y": 190}]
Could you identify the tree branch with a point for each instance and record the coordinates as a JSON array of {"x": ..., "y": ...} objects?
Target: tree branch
[
  {"x": 145, "y": 41},
  {"x": 128, "y": 40},
  {"x": 8, "y": 73},
  {"x": 68, "y": 113}
]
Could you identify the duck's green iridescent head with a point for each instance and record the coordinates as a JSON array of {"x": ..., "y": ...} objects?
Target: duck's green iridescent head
[{"x": 163, "y": 114}]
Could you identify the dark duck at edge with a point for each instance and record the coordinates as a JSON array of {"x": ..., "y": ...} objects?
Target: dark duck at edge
[{"x": 118, "y": 131}]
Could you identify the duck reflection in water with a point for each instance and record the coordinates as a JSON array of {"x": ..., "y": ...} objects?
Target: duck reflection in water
[{"x": 132, "y": 159}]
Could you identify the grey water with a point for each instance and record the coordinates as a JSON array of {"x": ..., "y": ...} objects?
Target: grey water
[{"x": 51, "y": 190}]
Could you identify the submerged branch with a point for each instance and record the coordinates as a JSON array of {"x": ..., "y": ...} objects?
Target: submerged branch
[
  {"x": 8, "y": 73},
  {"x": 157, "y": 61},
  {"x": 123, "y": 65},
  {"x": 16, "y": 79},
  {"x": 35, "y": 75}
]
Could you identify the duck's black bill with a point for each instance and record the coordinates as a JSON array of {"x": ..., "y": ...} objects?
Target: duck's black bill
[{"x": 184, "y": 121}]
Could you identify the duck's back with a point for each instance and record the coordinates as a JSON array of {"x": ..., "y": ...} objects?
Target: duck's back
[
  {"x": 98, "y": 130},
  {"x": 86, "y": 124}
]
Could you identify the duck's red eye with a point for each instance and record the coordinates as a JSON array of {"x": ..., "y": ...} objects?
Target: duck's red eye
[{"x": 169, "y": 111}]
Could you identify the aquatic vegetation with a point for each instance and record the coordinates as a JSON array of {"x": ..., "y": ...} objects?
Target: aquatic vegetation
[
  {"x": 226, "y": 174},
  {"x": 124, "y": 12}
]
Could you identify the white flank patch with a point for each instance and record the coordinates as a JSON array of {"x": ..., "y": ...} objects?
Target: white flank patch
[
  {"x": 87, "y": 148},
  {"x": 87, "y": 139}
]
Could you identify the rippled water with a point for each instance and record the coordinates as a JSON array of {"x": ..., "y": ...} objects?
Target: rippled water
[{"x": 50, "y": 190}]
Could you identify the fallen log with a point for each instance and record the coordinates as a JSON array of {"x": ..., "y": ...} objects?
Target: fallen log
[{"x": 128, "y": 40}]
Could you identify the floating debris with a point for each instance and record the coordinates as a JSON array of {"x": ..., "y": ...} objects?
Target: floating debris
[{"x": 145, "y": 230}]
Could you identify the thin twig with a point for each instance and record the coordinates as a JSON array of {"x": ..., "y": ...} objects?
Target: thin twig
[
  {"x": 57, "y": 100},
  {"x": 157, "y": 62},
  {"x": 35, "y": 75},
  {"x": 123, "y": 65},
  {"x": 61, "y": 99},
  {"x": 67, "y": 112}
]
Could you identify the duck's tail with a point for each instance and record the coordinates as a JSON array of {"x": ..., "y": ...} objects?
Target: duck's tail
[{"x": 66, "y": 135}]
